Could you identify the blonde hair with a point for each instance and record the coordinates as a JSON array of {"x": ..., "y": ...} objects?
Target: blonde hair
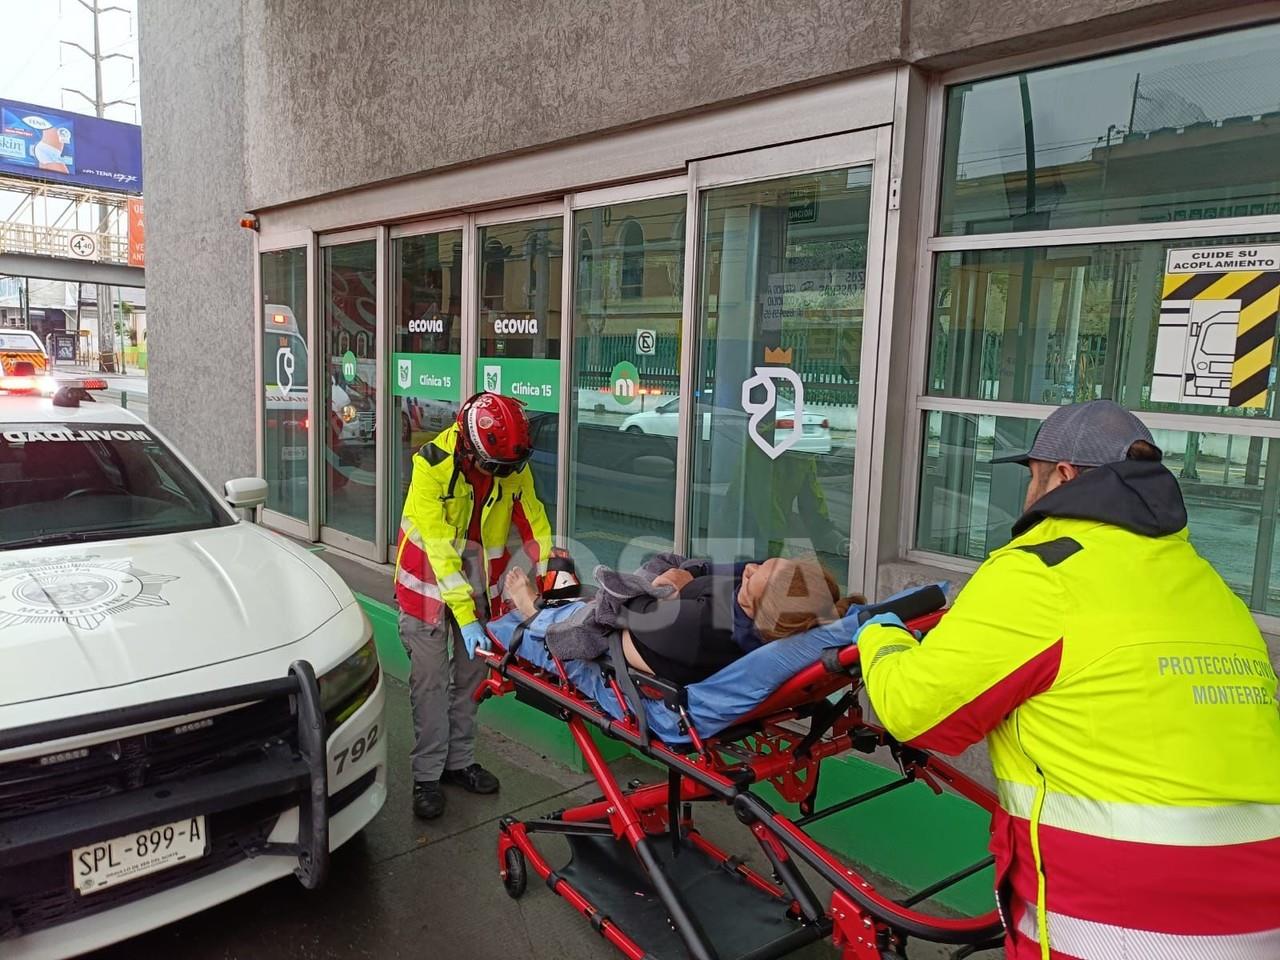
[{"x": 799, "y": 595}]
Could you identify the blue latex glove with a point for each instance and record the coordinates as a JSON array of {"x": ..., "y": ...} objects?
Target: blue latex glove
[
  {"x": 474, "y": 637},
  {"x": 884, "y": 619}
]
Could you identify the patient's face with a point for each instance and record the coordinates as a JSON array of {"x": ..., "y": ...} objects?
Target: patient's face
[{"x": 755, "y": 577}]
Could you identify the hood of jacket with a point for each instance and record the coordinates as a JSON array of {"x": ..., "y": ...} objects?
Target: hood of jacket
[{"x": 1141, "y": 496}]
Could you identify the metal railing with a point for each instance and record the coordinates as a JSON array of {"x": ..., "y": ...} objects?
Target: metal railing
[
  {"x": 62, "y": 242},
  {"x": 59, "y": 220}
]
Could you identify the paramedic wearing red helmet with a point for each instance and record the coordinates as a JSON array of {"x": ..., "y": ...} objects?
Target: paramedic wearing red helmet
[
  {"x": 1128, "y": 702},
  {"x": 471, "y": 486}
]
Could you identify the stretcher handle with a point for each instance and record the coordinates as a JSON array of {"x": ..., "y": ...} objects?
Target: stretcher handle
[{"x": 908, "y": 607}]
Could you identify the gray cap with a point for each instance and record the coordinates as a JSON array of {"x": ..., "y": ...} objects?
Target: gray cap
[{"x": 1085, "y": 434}]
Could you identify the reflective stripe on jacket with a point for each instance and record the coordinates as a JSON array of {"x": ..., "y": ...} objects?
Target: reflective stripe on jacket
[
  {"x": 433, "y": 533},
  {"x": 1128, "y": 702}
]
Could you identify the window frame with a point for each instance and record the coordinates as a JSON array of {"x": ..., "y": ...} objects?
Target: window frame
[
  {"x": 871, "y": 147},
  {"x": 374, "y": 549},
  {"x": 931, "y": 245},
  {"x": 279, "y": 243}
]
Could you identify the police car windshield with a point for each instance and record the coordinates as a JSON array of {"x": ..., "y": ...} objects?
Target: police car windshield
[{"x": 73, "y": 483}]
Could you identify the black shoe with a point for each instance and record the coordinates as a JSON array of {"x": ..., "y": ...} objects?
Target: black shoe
[
  {"x": 428, "y": 799},
  {"x": 474, "y": 779}
]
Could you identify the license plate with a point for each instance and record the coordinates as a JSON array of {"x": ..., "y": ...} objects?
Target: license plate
[
  {"x": 112, "y": 862},
  {"x": 294, "y": 453}
]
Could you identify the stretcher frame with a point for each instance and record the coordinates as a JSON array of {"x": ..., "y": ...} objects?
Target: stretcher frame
[{"x": 863, "y": 922}]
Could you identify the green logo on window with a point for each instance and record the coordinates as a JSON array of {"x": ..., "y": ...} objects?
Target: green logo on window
[
  {"x": 625, "y": 381},
  {"x": 348, "y": 366}
]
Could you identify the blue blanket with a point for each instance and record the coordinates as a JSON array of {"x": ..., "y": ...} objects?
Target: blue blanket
[{"x": 714, "y": 703}]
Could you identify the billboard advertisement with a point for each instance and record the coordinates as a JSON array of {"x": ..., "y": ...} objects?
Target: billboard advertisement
[
  {"x": 66, "y": 147},
  {"x": 137, "y": 233}
]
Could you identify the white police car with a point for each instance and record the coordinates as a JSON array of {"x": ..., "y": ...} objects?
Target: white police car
[{"x": 190, "y": 705}]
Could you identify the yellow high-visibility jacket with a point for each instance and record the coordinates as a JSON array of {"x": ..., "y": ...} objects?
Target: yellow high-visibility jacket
[
  {"x": 434, "y": 526},
  {"x": 1129, "y": 705}
]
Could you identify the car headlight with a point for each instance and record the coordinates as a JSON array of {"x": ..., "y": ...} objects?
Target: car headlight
[
  {"x": 345, "y": 688},
  {"x": 349, "y": 413}
]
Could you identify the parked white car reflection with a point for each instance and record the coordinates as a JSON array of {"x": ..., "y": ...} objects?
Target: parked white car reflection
[{"x": 663, "y": 420}]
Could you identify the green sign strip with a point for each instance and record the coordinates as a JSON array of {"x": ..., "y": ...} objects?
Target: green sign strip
[
  {"x": 536, "y": 382},
  {"x": 432, "y": 376}
]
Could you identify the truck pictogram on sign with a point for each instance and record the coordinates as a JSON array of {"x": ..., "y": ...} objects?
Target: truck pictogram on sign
[{"x": 1217, "y": 331}]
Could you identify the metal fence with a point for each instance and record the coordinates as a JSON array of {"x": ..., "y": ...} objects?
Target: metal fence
[{"x": 1078, "y": 373}]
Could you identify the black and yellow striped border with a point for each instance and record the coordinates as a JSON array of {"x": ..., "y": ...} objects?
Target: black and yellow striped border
[{"x": 1259, "y": 295}]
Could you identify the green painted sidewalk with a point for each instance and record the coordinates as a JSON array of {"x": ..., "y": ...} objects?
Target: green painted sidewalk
[{"x": 910, "y": 836}]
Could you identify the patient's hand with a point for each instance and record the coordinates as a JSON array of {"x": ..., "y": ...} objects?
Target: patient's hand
[
  {"x": 674, "y": 578},
  {"x": 520, "y": 592}
]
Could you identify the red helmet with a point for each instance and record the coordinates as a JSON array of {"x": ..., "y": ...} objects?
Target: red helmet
[{"x": 493, "y": 433}]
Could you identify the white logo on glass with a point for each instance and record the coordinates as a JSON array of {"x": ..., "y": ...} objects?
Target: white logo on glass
[
  {"x": 766, "y": 378},
  {"x": 404, "y": 374},
  {"x": 284, "y": 370},
  {"x": 493, "y": 378}
]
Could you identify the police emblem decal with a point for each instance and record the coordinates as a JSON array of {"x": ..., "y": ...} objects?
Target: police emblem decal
[{"x": 83, "y": 591}]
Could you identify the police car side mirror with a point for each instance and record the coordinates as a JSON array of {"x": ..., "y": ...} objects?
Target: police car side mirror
[{"x": 246, "y": 493}]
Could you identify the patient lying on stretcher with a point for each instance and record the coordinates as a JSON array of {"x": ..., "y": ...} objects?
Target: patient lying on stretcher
[{"x": 715, "y": 614}]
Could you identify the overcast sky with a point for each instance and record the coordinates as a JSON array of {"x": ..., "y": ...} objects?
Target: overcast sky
[{"x": 36, "y": 66}]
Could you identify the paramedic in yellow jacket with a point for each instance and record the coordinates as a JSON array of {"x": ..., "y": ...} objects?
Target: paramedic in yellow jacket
[
  {"x": 1128, "y": 702},
  {"x": 471, "y": 488}
]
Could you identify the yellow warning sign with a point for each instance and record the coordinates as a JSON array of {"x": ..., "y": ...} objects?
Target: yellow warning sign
[{"x": 1217, "y": 334}]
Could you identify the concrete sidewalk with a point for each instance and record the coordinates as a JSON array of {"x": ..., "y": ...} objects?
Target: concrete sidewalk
[
  {"x": 405, "y": 888},
  {"x": 409, "y": 889},
  {"x": 134, "y": 382},
  {"x": 420, "y": 891},
  {"x": 123, "y": 390}
]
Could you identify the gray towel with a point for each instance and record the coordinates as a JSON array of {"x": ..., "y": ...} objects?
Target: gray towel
[{"x": 584, "y": 634}]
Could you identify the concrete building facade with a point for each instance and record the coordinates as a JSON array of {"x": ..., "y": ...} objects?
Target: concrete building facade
[{"x": 871, "y": 243}]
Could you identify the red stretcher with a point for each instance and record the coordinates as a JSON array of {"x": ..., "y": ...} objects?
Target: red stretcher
[{"x": 653, "y": 886}]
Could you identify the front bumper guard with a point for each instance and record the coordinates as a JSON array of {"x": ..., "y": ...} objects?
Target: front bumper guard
[{"x": 283, "y": 773}]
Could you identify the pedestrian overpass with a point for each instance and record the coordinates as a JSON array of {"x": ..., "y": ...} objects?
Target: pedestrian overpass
[{"x": 63, "y": 232}]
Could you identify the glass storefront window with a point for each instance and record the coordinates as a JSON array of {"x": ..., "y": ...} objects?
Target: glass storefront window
[
  {"x": 1231, "y": 485},
  {"x": 350, "y": 282},
  {"x": 781, "y": 300},
  {"x": 520, "y": 268},
  {"x": 285, "y": 382},
  {"x": 1064, "y": 324},
  {"x": 426, "y": 361},
  {"x": 1179, "y": 132},
  {"x": 626, "y": 376}
]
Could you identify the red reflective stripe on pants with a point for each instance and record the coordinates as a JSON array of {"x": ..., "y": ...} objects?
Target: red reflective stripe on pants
[
  {"x": 1195, "y": 891},
  {"x": 1018, "y": 947}
]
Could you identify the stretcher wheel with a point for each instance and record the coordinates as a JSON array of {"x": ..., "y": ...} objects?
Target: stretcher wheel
[{"x": 516, "y": 877}]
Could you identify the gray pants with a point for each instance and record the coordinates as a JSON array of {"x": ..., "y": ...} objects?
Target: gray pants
[{"x": 440, "y": 689}]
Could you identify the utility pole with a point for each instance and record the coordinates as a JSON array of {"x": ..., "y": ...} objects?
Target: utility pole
[{"x": 106, "y": 317}]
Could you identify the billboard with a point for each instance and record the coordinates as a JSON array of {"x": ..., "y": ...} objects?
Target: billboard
[
  {"x": 67, "y": 147},
  {"x": 137, "y": 233}
]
